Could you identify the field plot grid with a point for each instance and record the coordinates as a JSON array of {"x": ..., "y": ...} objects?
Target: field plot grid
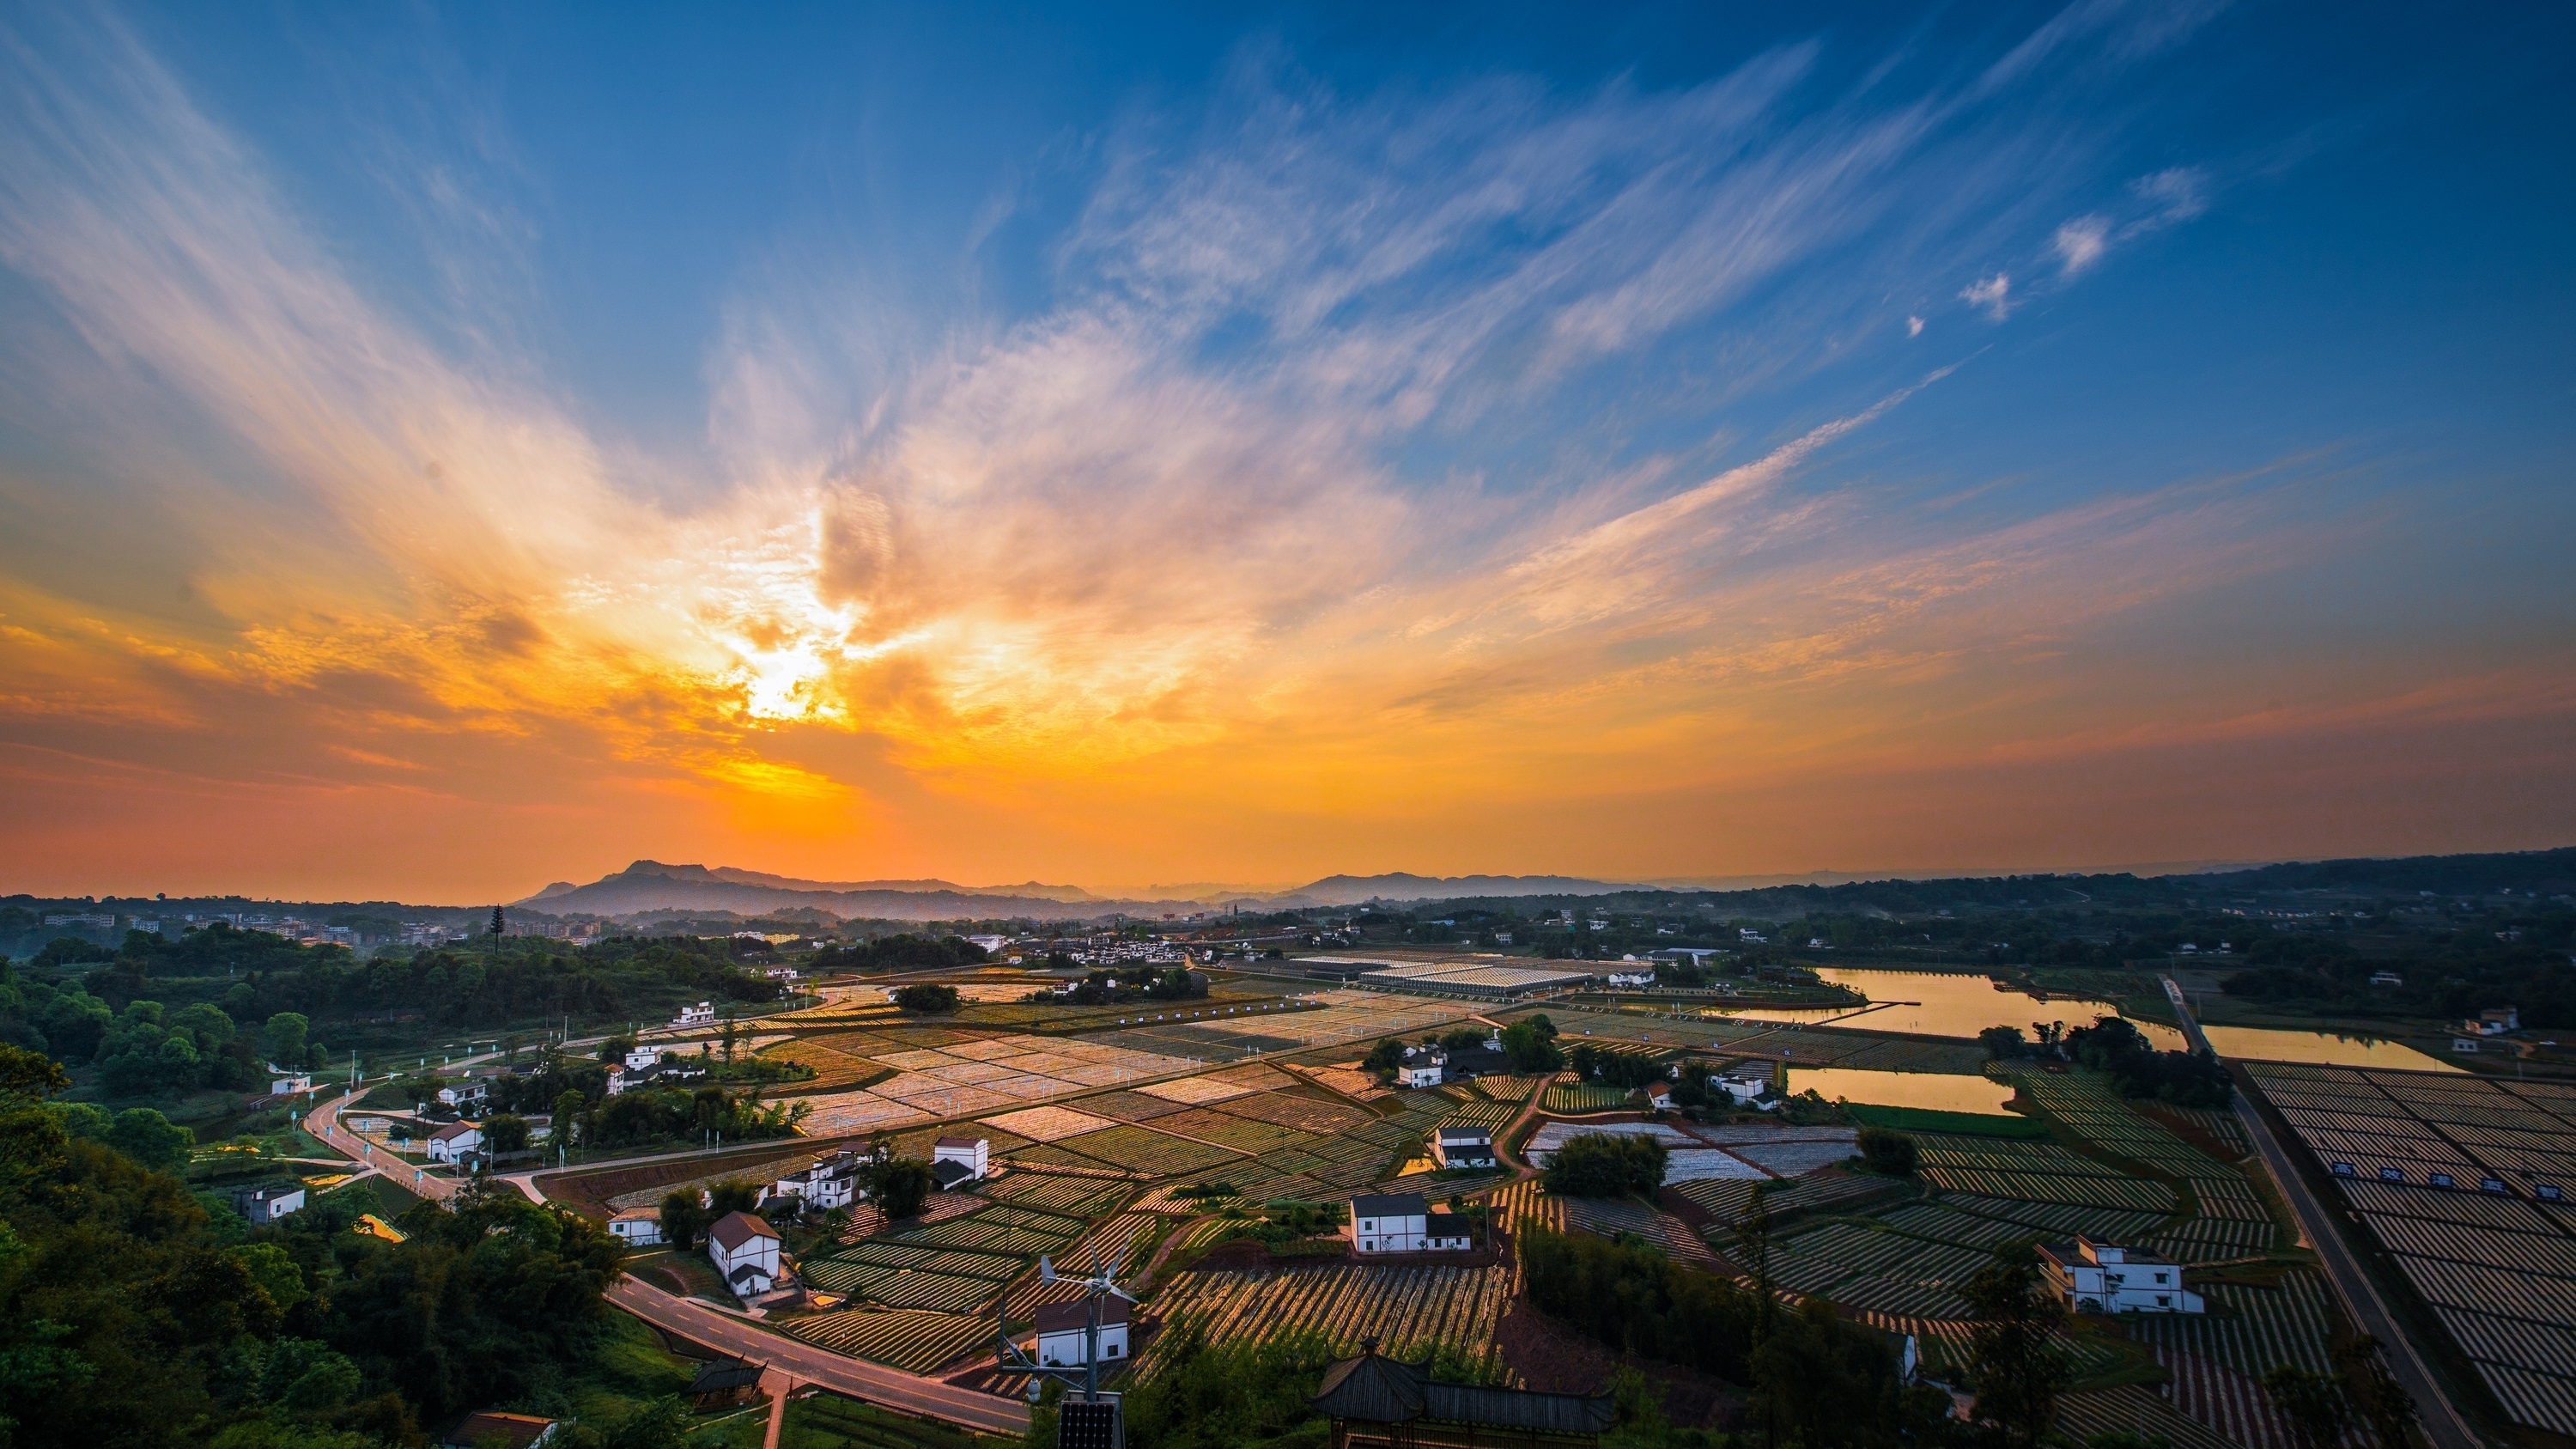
[
  {"x": 2497, "y": 1267},
  {"x": 913, "y": 1340},
  {"x": 1408, "y": 1309}
]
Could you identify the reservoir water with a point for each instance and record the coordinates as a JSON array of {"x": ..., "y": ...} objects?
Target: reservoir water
[
  {"x": 1942, "y": 1003},
  {"x": 2321, "y": 1048},
  {"x": 1935, "y": 1091}
]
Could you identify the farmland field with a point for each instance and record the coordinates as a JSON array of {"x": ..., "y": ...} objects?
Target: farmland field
[
  {"x": 1408, "y": 1308},
  {"x": 1571, "y": 1097},
  {"x": 1142, "y": 1150},
  {"x": 914, "y": 1340},
  {"x": 2496, "y": 1264}
]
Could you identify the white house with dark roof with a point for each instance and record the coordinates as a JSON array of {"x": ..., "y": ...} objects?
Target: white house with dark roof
[
  {"x": 267, "y": 1204},
  {"x": 825, "y": 1183},
  {"x": 745, "y": 1252},
  {"x": 637, "y": 1227},
  {"x": 1404, "y": 1222},
  {"x": 2107, "y": 1278},
  {"x": 1425, "y": 1073},
  {"x": 1462, "y": 1147},
  {"x": 455, "y": 1142},
  {"x": 955, "y": 1160},
  {"x": 1063, "y": 1330}
]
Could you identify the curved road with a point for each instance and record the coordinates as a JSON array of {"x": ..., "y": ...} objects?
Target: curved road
[
  {"x": 2443, "y": 1422},
  {"x": 703, "y": 1323}
]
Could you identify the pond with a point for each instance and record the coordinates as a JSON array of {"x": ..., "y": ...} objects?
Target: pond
[
  {"x": 2320, "y": 1048},
  {"x": 1934, "y": 1091},
  {"x": 1940, "y": 1003}
]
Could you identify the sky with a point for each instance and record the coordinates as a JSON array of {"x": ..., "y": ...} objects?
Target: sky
[{"x": 447, "y": 449}]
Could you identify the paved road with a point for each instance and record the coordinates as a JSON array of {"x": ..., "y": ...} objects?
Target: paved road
[
  {"x": 700, "y": 1323},
  {"x": 902, "y": 1392},
  {"x": 2443, "y": 1421}
]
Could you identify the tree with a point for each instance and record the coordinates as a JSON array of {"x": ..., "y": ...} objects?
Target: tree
[
  {"x": 683, "y": 1220},
  {"x": 282, "y": 1038},
  {"x": 1385, "y": 1056},
  {"x": 2314, "y": 1404},
  {"x": 2014, "y": 1362},
  {"x": 568, "y": 1111},
  {"x": 2383, "y": 1403},
  {"x": 733, "y": 1196},
  {"x": 505, "y": 1132},
  {"x": 1890, "y": 1152},
  {"x": 900, "y": 1186},
  {"x": 2004, "y": 1043},
  {"x": 927, "y": 997},
  {"x": 1605, "y": 1164},
  {"x": 1530, "y": 1047},
  {"x": 613, "y": 1050},
  {"x": 1463, "y": 1039}
]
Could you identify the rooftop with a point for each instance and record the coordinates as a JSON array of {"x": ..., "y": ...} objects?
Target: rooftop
[
  {"x": 737, "y": 1228},
  {"x": 1389, "y": 1205},
  {"x": 1061, "y": 1317}
]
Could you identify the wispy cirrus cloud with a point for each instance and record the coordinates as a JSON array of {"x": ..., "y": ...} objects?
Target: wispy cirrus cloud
[{"x": 1347, "y": 413}]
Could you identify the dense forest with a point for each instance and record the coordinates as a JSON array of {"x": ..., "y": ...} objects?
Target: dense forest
[{"x": 133, "y": 1316}]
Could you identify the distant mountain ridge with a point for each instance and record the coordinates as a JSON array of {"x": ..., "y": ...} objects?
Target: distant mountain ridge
[{"x": 652, "y": 885}]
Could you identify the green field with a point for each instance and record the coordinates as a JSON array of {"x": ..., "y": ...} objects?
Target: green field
[{"x": 1963, "y": 1124}]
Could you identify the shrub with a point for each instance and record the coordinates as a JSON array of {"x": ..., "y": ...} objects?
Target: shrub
[
  {"x": 1892, "y": 1153},
  {"x": 927, "y": 997},
  {"x": 1606, "y": 1164}
]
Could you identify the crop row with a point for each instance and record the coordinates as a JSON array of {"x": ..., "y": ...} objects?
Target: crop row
[
  {"x": 2110, "y": 1225},
  {"x": 907, "y": 1339},
  {"x": 1586, "y": 1097},
  {"x": 1405, "y": 1308},
  {"x": 904, "y": 1287},
  {"x": 2254, "y": 1328},
  {"x": 884, "y": 1254},
  {"x": 1140, "y": 1149},
  {"x": 1243, "y": 1134},
  {"x": 2038, "y": 1187},
  {"x": 1305, "y": 1114},
  {"x": 1079, "y": 1197}
]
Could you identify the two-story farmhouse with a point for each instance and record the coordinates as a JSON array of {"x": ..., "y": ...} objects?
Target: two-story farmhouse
[
  {"x": 2107, "y": 1278},
  {"x": 745, "y": 1252},
  {"x": 1403, "y": 1222},
  {"x": 959, "y": 1160}
]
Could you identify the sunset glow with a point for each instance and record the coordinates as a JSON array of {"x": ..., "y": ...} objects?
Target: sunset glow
[{"x": 1220, "y": 457}]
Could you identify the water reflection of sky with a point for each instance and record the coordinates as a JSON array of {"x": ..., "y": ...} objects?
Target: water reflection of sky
[
  {"x": 1936, "y": 1091},
  {"x": 1947, "y": 1004},
  {"x": 2321, "y": 1048}
]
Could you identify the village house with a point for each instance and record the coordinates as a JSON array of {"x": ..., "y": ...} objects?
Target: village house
[
  {"x": 1746, "y": 1083},
  {"x": 1637, "y": 976},
  {"x": 825, "y": 1183},
  {"x": 1462, "y": 1147},
  {"x": 287, "y": 1082},
  {"x": 2107, "y": 1278},
  {"x": 464, "y": 1096},
  {"x": 637, "y": 1227},
  {"x": 455, "y": 1142},
  {"x": 702, "y": 1014},
  {"x": 1063, "y": 1329},
  {"x": 955, "y": 1160},
  {"x": 1404, "y": 1222},
  {"x": 745, "y": 1252},
  {"x": 1423, "y": 1073},
  {"x": 267, "y": 1204}
]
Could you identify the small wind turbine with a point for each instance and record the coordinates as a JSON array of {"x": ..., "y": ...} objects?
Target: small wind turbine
[{"x": 1100, "y": 1286}]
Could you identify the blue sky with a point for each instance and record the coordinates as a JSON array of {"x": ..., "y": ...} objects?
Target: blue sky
[{"x": 934, "y": 425}]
